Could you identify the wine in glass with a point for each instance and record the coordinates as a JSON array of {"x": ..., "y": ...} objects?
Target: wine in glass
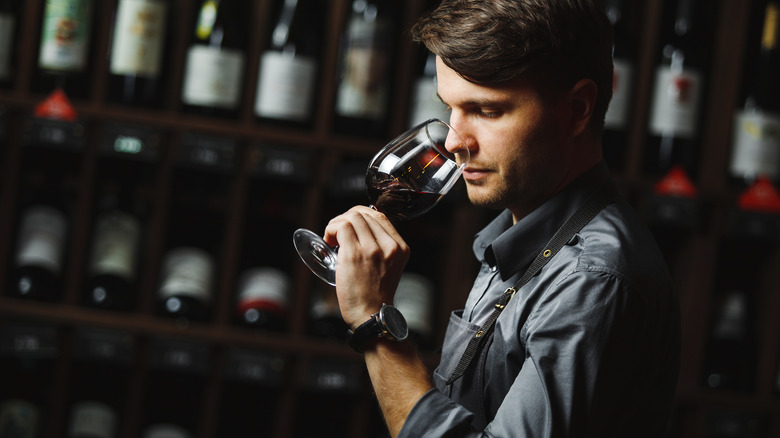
[{"x": 404, "y": 180}]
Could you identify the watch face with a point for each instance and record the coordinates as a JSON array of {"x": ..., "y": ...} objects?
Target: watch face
[{"x": 394, "y": 322}]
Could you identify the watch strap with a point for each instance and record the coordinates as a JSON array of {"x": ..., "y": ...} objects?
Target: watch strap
[{"x": 364, "y": 333}]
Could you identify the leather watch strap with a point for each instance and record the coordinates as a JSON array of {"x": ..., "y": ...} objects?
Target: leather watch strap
[{"x": 364, "y": 333}]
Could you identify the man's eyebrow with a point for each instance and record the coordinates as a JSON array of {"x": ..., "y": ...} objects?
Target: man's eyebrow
[{"x": 480, "y": 102}]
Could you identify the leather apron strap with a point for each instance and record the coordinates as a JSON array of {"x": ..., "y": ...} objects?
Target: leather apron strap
[{"x": 584, "y": 214}]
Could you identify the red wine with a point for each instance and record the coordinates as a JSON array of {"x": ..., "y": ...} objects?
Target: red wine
[{"x": 397, "y": 199}]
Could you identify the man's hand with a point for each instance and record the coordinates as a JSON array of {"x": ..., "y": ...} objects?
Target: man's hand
[{"x": 371, "y": 258}]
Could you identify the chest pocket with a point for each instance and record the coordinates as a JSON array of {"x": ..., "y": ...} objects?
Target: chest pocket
[{"x": 467, "y": 391}]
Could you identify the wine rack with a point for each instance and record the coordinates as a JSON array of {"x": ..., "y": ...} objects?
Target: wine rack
[{"x": 276, "y": 178}]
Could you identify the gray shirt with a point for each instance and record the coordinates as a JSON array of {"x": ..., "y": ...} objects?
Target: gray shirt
[{"x": 588, "y": 348}]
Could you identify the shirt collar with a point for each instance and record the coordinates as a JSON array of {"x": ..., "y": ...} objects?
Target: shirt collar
[{"x": 509, "y": 248}]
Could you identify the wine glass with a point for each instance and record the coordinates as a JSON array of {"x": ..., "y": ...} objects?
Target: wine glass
[{"x": 404, "y": 180}]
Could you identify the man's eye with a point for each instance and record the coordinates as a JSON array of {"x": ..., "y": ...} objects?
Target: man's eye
[{"x": 489, "y": 114}]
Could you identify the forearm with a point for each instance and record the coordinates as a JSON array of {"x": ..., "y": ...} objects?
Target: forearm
[{"x": 399, "y": 378}]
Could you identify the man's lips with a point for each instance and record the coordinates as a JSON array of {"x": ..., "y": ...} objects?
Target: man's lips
[{"x": 474, "y": 173}]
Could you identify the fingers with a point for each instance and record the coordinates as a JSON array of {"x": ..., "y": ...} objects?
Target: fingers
[{"x": 362, "y": 224}]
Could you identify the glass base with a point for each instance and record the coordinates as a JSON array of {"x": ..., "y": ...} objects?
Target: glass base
[{"x": 316, "y": 254}]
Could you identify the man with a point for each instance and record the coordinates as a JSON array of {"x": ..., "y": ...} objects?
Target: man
[{"x": 589, "y": 347}]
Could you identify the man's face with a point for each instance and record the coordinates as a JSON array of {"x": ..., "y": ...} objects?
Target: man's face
[{"x": 520, "y": 149}]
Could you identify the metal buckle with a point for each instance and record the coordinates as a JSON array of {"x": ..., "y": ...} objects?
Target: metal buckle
[{"x": 511, "y": 291}]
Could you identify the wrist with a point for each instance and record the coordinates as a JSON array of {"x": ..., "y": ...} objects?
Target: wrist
[{"x": 387, "y": 323}]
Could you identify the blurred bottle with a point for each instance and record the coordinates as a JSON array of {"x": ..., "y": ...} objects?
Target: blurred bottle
[
  {"x": 366, "y": 62},
  {"x": 164, "y": 430},
  {"x": 28, "y": 360},
  {"x": 287, "y": 82},
  {"x": 675, "y": 113},
  {"x": 175, "y": 386},
  {"x": 64, "y": 51},
  {"x": 414, "y": 298},
  {"x": 730, "y": 358},
  {"x": 325, "y": 319},
  {"x": 102, "y": 363},
  {"x": 113, "y": 261},
  {"x": 214, "y": 69},
  {"x": 92, "y": 419},
  {"x": 187, "y": 283},
  {"x": 620, "y": 108},
  {"x": 136, "y": 62},
  {"x": 196, "y": 226},
  {"x": 39, "y": 256},
  {"x": 19, "y": 419},
  {"x": 9, "y": 17},
  {"x": 777, "y": 381},
  {"x": 263, "y": 298},
  {"x": 756, "y": 138},
  {"x": 425, "y": 96},
  {"x": 251, "y": 387}
]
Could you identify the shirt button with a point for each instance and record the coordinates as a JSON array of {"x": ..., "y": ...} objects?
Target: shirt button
[{"x": 494, "y": 269}]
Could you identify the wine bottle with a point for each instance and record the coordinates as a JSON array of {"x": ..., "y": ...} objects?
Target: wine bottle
[
  {"x": 623, "y": 59},
  {"x": 8, "y": 30},
  {"x": 39, "y": 257},
  {"x": 756, "y": 132},
  {"x": 730, "y": 359},
  {"x": 175, "y": 384},
  {"x": 366, "y": 56},
  {"x": 414, "y": 298},
  {"x": 19, "y": 418},
  {"x": 214, "y": 69},
  {"x": 673, "y": 128},
  {"x": 777, "y": 381},
  {"x": 425, "y": 98},
  {"x": 325, "y": 319},
  {"x": 112, "y": 266},
  {"x": 27, "y": 368},
  {"x": 164, "y": 430},
  {"x": 186, "y": 286},
  {"x": 251, "y": 386},
  {"x": 287, "y": 82},
  {"x": 263, "y": 298},
  {"x": 101, "y": 369},
  {"x": 137, "y": 49},
  {"x": 91, "y": 419},
  {"x": 64, "y": 51}
]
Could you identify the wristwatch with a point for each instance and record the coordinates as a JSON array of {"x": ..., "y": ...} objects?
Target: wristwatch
[{"x": 388, "y": 322}]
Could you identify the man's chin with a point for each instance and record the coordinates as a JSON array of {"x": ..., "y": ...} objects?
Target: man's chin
[{"x": 480, "y": 197}]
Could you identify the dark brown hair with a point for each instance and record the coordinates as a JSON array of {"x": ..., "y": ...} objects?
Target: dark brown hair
[{"x": 493, "y": 41}]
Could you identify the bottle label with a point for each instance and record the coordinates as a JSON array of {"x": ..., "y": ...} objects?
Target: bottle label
[
  {"x": 19, "y": 419},
  {"x": 7, "y": 25},
  {"x": 619, "y": 107},
  {"x": 93, "y": 419},
  {"x": 65, "y": 35},
  {"x": 117, "y": 236},
  {"x": 363, "y": 88},
  {"x": 264, "y": 287},
  {"x": 426, "y": 103},
  {"x": 166, "y": 431},
  {"x": 138, "y": 38},
  {"x": 285, "y": 88},
  {"x": 189, "y": 272},
  {"x": 756, "y": 141},
  {"x": 213, "y": 77},
  {"x": 675, "y": 106},
  {"x": 42, "y": 238}
]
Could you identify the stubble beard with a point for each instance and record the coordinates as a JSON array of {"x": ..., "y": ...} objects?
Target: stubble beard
[{"x": 480, "y": 195}]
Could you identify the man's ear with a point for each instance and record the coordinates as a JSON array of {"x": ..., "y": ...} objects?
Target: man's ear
[{"x": 582, "y": 101}]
